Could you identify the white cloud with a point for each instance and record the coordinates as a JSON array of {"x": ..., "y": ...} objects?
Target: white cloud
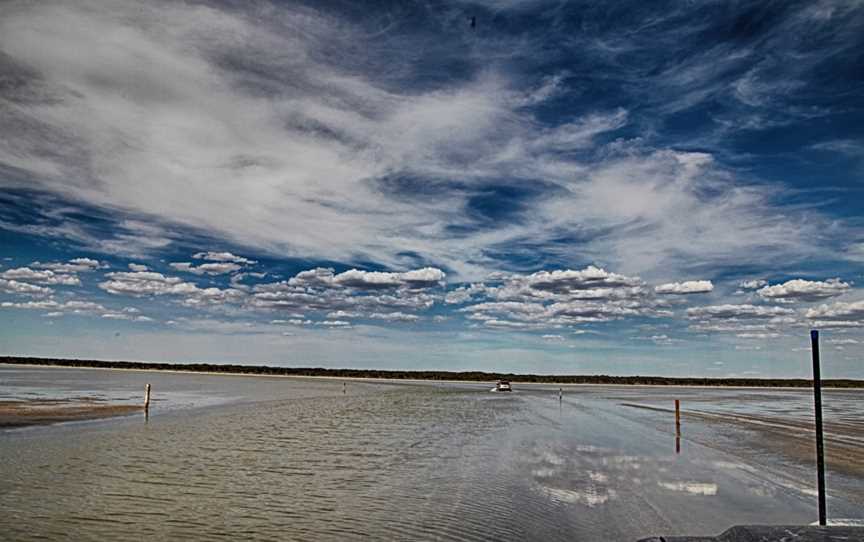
[
  {"x": 419, "y": 278},
  {"x": 23, "y": 288},
  {"x": 333, "y": 323},
  {"x": 301, "y": 152},
  {"x": 138, "y": 268},
  {"x": 738, "y": 312},
  {"x": 464, "y": 294},
  {"x": 843, "y": 341},
  {"x": 337, "y": 315},
  {"x": 207, "y": 268},
  {"x": 836, "y": 324},
  {"x": 73, "y": 307},
  {"x": 386, "y": 296},
  {"x": 373, "y": 280},
  {"x": 223, "y": 257},
  {"x": 753, "y": 284},
  {"x": 41, "y": 277},
  {"x": 75, "y": 265},
  {"x": 651, "y": 205},
  {"x": 569, "y": 280},
  {"x": 849, "y": 147},
  {"x": 149, "y": 283},
  {"x": 126, "y": 316},
  {"x": 144, "y": 283},
  {"x": 394, "y": 316},
  {"x": 687, "y": 287},
  {"x": 561, "y": 298},
  {"x": 804, "y": 290},
  {"x": 658, "y": 339},
  {"x": 851, "y": 312}
]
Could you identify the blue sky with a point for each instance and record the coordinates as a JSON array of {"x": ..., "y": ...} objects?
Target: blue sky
[{"x": 629, "y": 188}]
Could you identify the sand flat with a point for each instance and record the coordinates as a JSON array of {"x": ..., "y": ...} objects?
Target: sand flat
[{"x": 24, "y": 413}]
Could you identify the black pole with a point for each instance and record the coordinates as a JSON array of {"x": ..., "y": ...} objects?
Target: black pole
[{"x": 817, "y": 398}]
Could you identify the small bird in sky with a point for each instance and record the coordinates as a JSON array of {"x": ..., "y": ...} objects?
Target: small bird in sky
[{"x": 473, "y": 22}]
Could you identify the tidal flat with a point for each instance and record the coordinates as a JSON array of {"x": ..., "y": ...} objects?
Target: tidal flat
[{"x": 303, "y": 459}]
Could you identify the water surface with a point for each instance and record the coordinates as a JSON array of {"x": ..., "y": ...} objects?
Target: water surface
[{"x": 279, "y": 458}]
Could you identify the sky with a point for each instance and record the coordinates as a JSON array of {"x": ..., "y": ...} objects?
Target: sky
[{"x": 666, "y": 188}]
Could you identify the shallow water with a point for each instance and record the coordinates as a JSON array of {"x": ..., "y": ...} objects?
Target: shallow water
[{"x": 297, "y": 459}]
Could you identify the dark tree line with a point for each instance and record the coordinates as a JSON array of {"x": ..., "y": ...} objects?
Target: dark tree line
[{"x": 468, "y": 376}]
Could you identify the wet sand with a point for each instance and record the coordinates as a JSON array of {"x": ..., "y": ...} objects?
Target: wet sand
[
  {"x": 45, "y": 411},
  {"x": 794, "y": 439}
]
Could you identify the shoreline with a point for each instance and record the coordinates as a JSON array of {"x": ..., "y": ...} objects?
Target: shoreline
[{"x": 673, "y": 382}]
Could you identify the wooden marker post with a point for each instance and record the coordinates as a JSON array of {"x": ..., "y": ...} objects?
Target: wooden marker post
[
  {"x": 147, "y": 398},
  {"x": 817, "y": 400},
  {"x": 677, "y": 417}
]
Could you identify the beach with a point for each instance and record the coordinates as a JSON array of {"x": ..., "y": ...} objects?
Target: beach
[{"x": 290, "y": 458}]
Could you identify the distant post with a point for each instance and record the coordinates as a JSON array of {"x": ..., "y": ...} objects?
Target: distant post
[
  {"x": 817, "y": 400},
  {"x": 147, "y": 398},
  {"x": 677, "y": 417}
]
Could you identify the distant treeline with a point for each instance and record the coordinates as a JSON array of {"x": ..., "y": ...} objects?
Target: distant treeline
[{"x": 468, "y": 376}]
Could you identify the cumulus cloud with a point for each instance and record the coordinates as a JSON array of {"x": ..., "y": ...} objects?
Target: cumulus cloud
[
  {"x": 747, "y": 321},
  {"x": 427, "y": 277},
  {"x": 72, "y": 307},
  {"x": 41, "y": 277},
  {"x": 375, "y": 295},
  {"x": 804, "y": 290},
  {"x": 24, "y": 288},
  {"x": 223, "y": 257},
  {"x": 338, "y": 315},
  {"x": 836, "y": 324},
  {"x": 559, "y": 298},
  {"x": 419, "y": 278},
  {"x": 757, "y": 335},
  {"x": 75, "y": 265},
  {"x": 838, "y": 311},
  {"x": 207, "y": 268},
  {"x": 744, "y": 312},
  {"x": 569, "y": 280},
  {"x": 752, "y": 284},
  {"x": 334, "y": 323},
  {"x": 464, "y": 294},
  {"x": 149, "y": 283},
  {"x": 126, "y": 316},
  {"x": 137, "y": 267},
  {"x": 687, "y": 287},
  {"x": 394, "y": 316},
  {"x": 145, "y": 283},
  {"x": 132, "y": 314}
]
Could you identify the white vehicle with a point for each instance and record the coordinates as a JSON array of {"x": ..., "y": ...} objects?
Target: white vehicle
[{"x": 503, "y": 385}]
